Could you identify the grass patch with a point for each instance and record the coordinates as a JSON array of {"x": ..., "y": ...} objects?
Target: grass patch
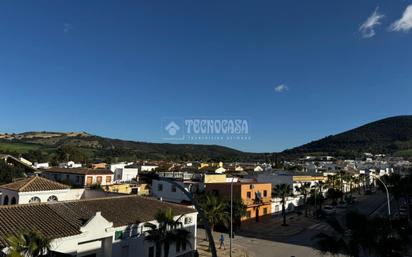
[
  {"x": 404, "y": 153},
  {"x": 17, "y": 147}
]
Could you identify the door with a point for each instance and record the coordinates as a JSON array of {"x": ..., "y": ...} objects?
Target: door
[
  {"x": 257, "y": 214},
  {"x": 89, "y": 181}
]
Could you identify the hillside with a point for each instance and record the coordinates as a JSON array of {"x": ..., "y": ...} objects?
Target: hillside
[
  {"x": 81, "y": 146},
  {"x": 390, "y": 136}
]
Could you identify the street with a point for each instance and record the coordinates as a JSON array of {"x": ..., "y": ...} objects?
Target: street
[{"x": 270, "y": 239}]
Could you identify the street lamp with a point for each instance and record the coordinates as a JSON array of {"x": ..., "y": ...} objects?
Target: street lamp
[
  {"x": 231, "y": 217},
  {"x": 387, "y": 193}
]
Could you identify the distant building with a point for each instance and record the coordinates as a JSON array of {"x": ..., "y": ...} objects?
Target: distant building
[
  {"x": 127, "y": 173},
  {"x": 43, "y": 165},
  {"x": 170, "y": 193},
  {"x": 70, "y": 164},
  {"x": 142, "y": 189},
  {"x": 101, "y": 165},
  {"x": 80, "y": 177}
]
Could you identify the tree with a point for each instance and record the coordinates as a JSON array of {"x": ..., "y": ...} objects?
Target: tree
[
  {"x": 166, "y": 231},
  {"x": 28, "y": 244},
  {"x": 215, "y": 210},
  {"x": 239, "y": 210},
  {"x": 304, "y": 189},
  {"x": 283, "y": 191},
  {"x": 9, "y": 172},
  {"x": 363, "y": 236}
]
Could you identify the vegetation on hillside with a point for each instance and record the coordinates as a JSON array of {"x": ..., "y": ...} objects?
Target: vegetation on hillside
[{"x": 387, "y": 136}]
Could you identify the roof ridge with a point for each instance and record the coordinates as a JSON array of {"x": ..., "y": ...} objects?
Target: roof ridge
[{"x": 28, "y": 183}]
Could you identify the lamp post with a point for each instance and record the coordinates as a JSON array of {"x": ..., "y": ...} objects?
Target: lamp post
[
  {"x": 231, "y": 217},
  {"x": 387, "y": 194}
]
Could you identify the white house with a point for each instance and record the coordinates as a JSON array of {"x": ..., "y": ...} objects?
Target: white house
[
  {"x": 127, "y": 173},
  {"x": 35, "y": 190},
  {"x": 70, "y": 164},
  {"x": 42, "y": 165},
  {"x": 80, "y": 177},
  {"x": 169, "y": 192},
  {"x": 106, "y": 227},
  {"x": 148, "y": 167}
]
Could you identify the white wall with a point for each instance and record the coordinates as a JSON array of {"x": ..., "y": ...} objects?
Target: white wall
[
  {"x": 125, "y": 174},
  {"x": 25, "y": 197},
  {"x": 167, "y": 194},
  {"x": 291, "y": 204},
  {"x": 100, "y": 237}
]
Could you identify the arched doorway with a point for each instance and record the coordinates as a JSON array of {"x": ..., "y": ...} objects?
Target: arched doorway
[{"x": 6, "y": 200}]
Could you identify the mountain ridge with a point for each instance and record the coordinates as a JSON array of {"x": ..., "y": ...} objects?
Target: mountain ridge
[{"x": 390, "y": 135}]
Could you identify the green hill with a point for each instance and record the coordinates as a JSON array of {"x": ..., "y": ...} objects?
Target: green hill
[
  {"x": 389, "y": 136},
  {"x": 81, "y": 146}
]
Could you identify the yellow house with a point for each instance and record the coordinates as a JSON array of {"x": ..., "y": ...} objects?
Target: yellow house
[{"x": 128, "y": 188}]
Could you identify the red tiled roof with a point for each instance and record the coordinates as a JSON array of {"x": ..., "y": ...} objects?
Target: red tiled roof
[
  {"x": 63, "y": 219},
  {"x": 79, "y": 171},
  {"x": 33, "y": 184}
]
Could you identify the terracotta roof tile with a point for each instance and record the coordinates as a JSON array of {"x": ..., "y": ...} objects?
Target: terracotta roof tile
[
  {"x": 33, "y": 184},
  {"x": 79, "y": 171}
]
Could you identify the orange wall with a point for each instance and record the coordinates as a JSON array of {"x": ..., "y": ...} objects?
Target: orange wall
[{"x": 240, "y": 191}]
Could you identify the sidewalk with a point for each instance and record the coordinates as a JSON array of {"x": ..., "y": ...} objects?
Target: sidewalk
[
  {"x": 203, "y": 246},
  {"x": 272, "y": 228}
]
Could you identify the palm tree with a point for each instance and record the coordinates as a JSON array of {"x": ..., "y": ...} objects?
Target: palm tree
[
  {"x": 283, "y": 191},
  {"x": 28, "y": 244},
  {"x": 166, "y": 231},
  {"x": 362, "y": 236},
  {"x": 215, "y": 210},
  {"x": 304, "y": 189},
  {"x": 356, "y": 181},
  {"x": 239, "y": 210}
]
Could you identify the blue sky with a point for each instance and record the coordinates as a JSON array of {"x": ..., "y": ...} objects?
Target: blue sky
[{"x": 117, "y": 68}]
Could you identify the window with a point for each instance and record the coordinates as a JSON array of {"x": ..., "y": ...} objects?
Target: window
[
  {"x": 35, "y": 199},
  {"x": 6, "y": 200},
  {"x": 188, "y": 220},
  {"x": 67, "y": 177},
  {"x": 265, "y": 193},
  {"x": 52, "y": 198},
  {"x": 173, "y": 188},
  {"x": 248, "y": 214},
  {"x": 108, "y": 179},
  {"x": 265, "y": 211},
  {"x": 77, "y": 179},
  {"x": 151, "y": 251},
  {"x": 99, "y": 179},
  {"x": 184, "y": 245},
  {"x": 249, "y": 194},
  {"x": 89, "y": 181},
  {"x": 159, "y": 187},
  {"x": 13, "y": 200}
]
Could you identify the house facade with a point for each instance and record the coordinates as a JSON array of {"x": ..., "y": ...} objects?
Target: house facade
[
  {"x": 37, "y": 190},
  {"x": 256, "y": 197},
  {"x": 80, "y": 177},
  {"x": 109, "y": 227}
]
